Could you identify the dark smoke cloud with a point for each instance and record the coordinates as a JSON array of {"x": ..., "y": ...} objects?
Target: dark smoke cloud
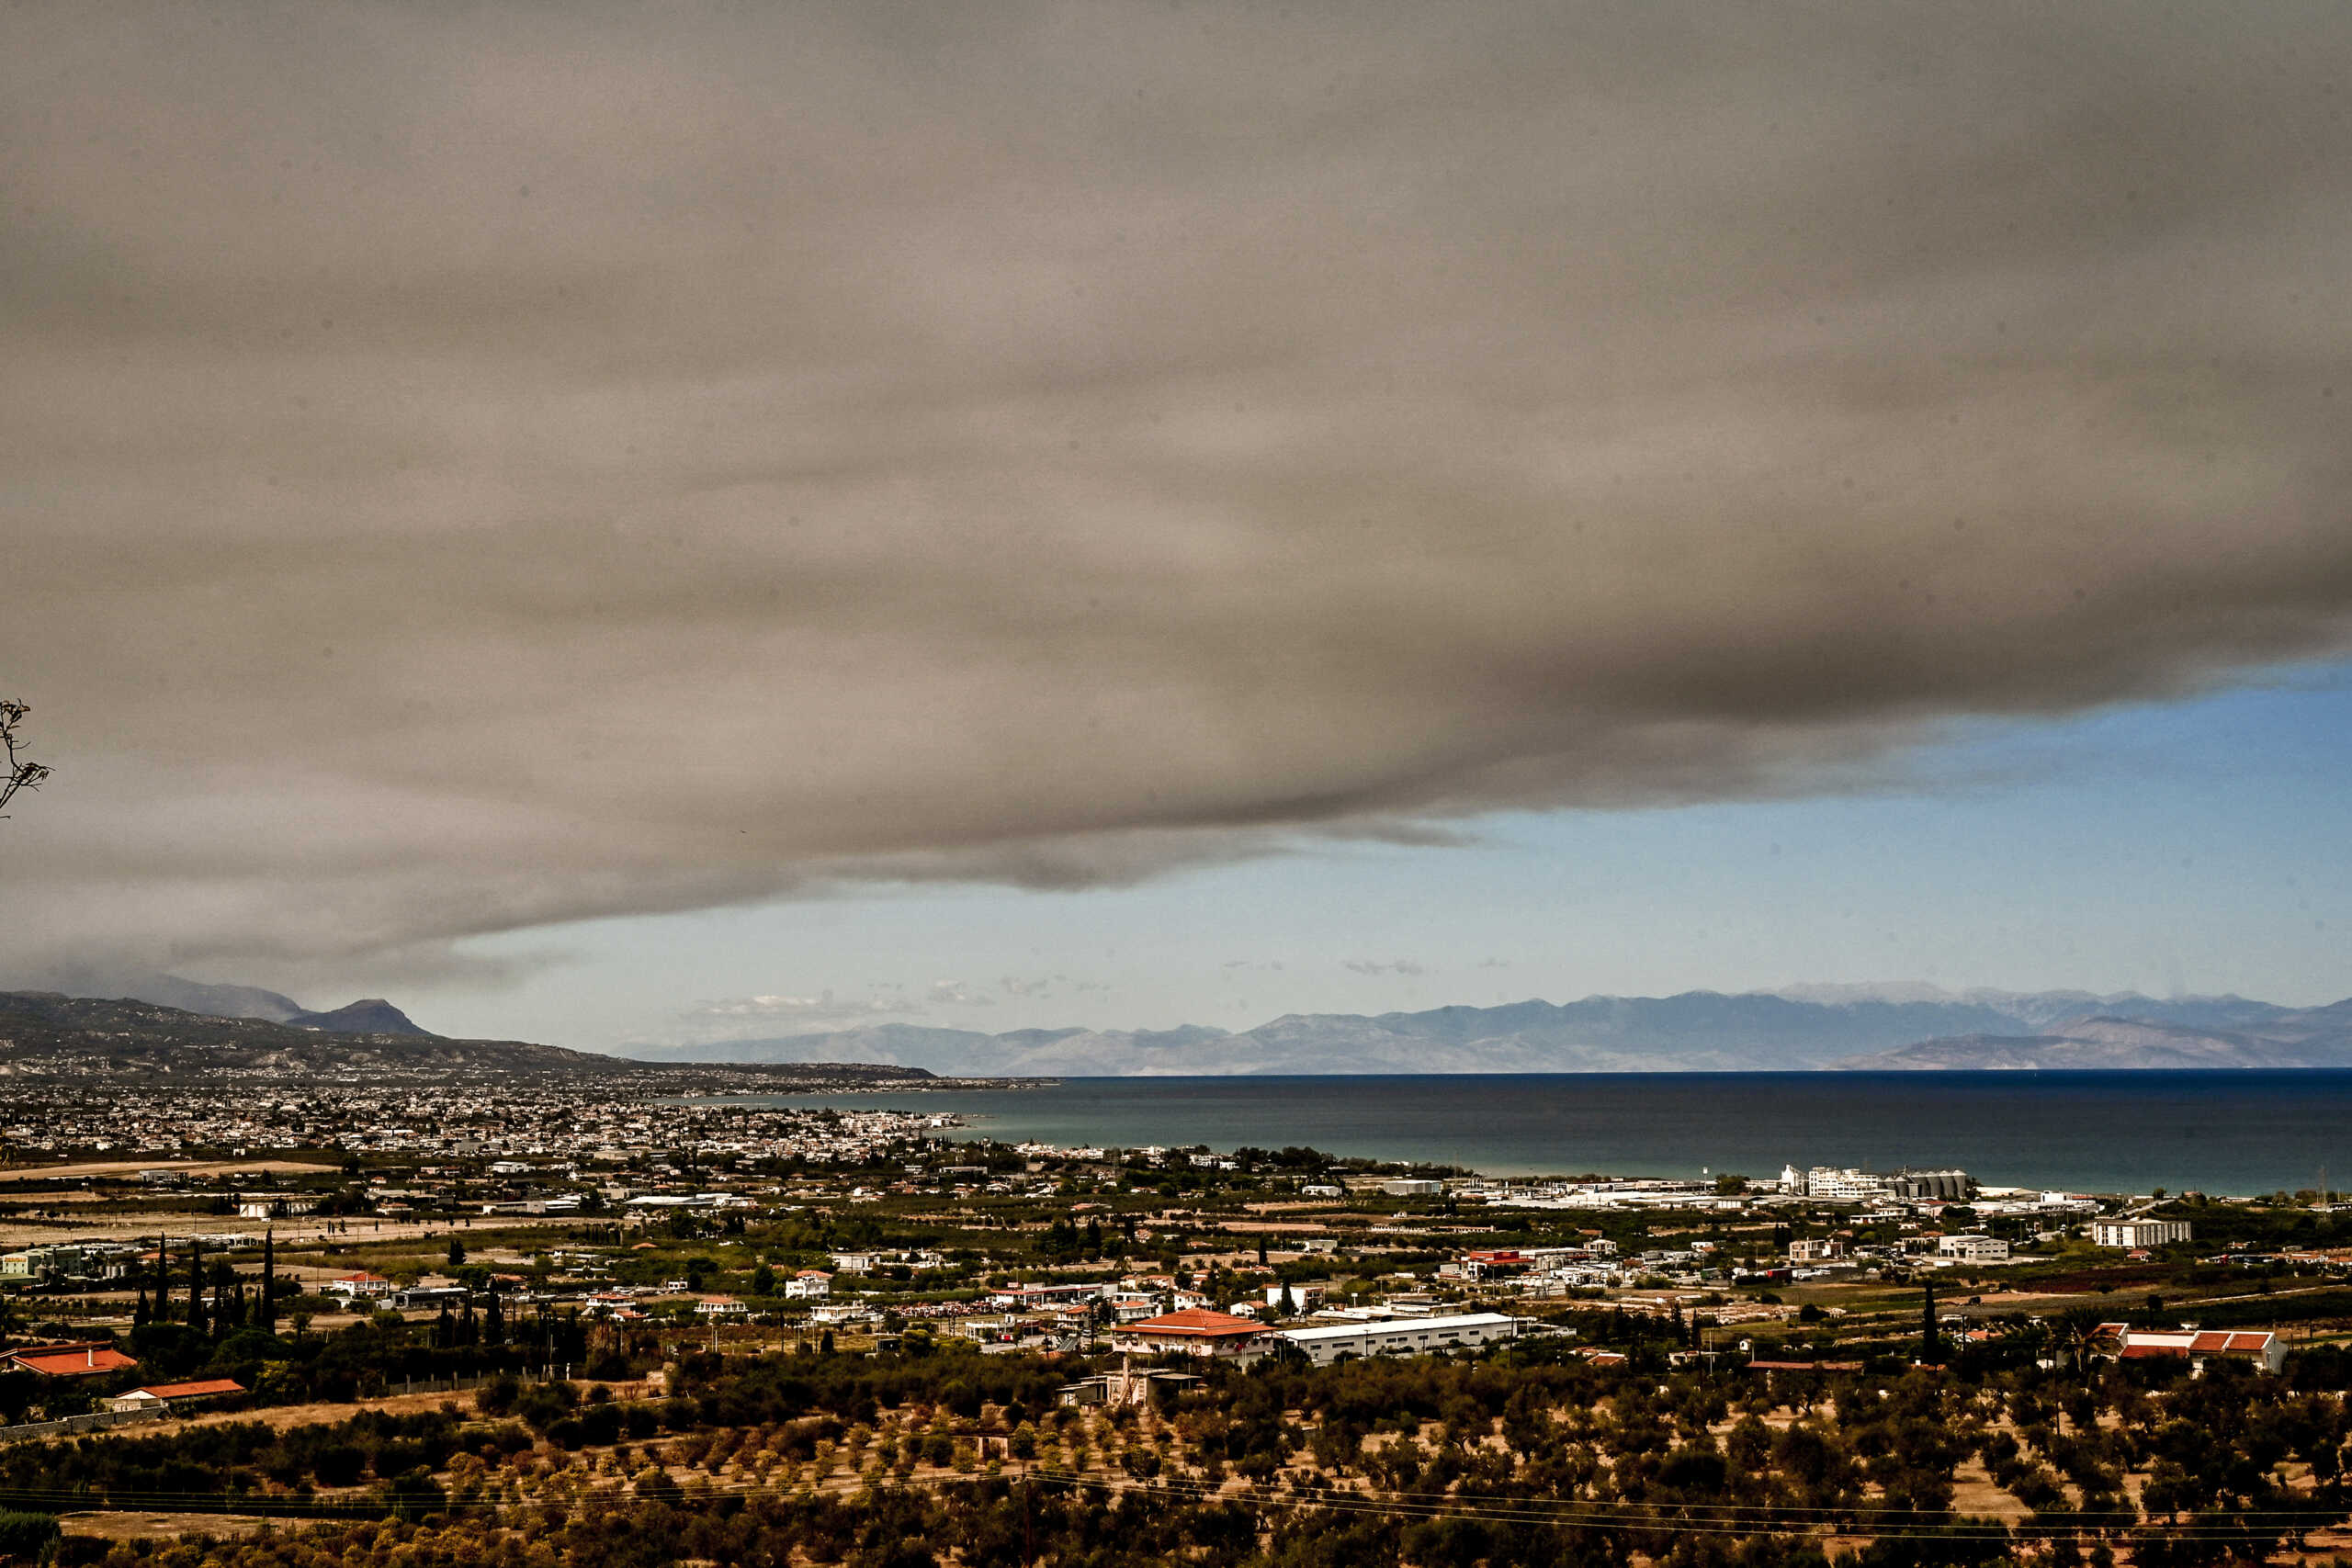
[{"x": 472, "y": 467}]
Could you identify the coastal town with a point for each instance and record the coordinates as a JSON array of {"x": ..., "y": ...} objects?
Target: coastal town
[
  {"x": 483, "y": 1313},
  {"x": 582, "y": 1259},
  {"x": 777, "y": 1218}
]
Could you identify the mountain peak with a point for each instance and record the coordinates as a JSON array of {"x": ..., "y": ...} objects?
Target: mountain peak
[{"x": 369, "y": 1015}]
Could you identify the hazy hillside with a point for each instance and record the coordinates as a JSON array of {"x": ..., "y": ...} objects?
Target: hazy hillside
[
  {"x": 371, "y": 1015},
  {"x": 46, "y": 1036},
  {"x": 2318, "y": 1038},
  {"x": 166, "y": 990}
]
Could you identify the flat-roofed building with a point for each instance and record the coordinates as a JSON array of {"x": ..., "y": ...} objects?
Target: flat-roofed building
[
  {"x": 1401, "y": 1337},
  {"x": 2138, "y": 1233}
]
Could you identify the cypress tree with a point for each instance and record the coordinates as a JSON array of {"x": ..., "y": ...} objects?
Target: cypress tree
[
  {"x": 195, "y": 1285},
  {"x": 162, "y": 1278},
  {"x": 139, "y": 1315},
  {"x": 269, "y": 1281},
  {"x": 1931, "y": 1341}
]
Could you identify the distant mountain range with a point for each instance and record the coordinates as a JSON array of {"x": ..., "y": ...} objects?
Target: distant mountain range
[
  {"x": 1868, "y": 1028},
  {"x": 45, "y": 1035},
  {"x": 1853, "y": 1027}
]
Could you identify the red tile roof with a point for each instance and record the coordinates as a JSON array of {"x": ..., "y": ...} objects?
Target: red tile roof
[
  {"x": 2198, "y": 1342},
  {"x": 1196, "y": 1323},
  {"x": 72, "y": 1361},
  {"x": 198, "y": 1390}
]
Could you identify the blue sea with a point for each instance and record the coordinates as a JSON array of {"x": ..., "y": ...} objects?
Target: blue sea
[{"x": 2235, "y": 1133}]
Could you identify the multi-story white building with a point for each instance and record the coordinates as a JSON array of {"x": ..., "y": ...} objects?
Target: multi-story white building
[
  {"x": 1843, "y": 1186},
  {"x": 2138, "y": 1233}
]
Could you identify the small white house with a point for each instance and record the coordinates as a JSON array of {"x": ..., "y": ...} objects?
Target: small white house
[
  {"x": 169, "y": 1396},
  {"x": 808, "y": 1285}
]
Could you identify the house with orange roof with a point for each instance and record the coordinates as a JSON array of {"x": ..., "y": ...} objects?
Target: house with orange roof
[
  {"x": 361, "y": 1286},
  {"x": 1195, "y": 1331},
  {"x": 80, "y": 1358},
  {"x": 2263, "y": 1350},
  {"x": 169, "y": 1396}
]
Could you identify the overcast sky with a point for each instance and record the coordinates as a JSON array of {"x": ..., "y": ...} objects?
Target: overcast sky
[{"x": 628, "y": 522}]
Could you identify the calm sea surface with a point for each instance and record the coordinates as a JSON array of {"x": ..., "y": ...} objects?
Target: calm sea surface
[{"x": 2221, "y": 1132}]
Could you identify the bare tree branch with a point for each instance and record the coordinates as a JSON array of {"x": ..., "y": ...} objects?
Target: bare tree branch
[{"x": 18, "y": 774}]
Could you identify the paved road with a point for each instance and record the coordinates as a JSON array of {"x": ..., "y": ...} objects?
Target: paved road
[
  {"x": 14, "y": 1233},
  {"x": 178, "y": 1167}
]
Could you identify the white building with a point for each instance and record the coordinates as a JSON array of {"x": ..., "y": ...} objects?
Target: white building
[
  {"x": 1401, "y": 1337},
  {"x": 2259, "y": 1347},
  {"x": 808, "y": 1285},
  {"x": 1972, "y": 1249},
  {"x": 2138, "y": 1233},
  {"x": 1843, "y": 1186}
]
